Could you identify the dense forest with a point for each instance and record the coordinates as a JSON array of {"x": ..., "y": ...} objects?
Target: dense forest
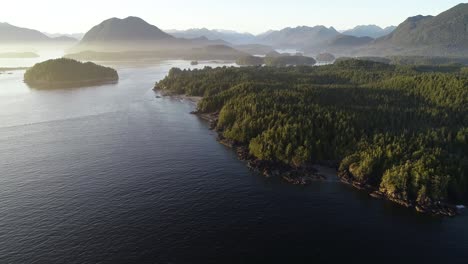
[
  {"x": 68, "y": 72},
  {"x": 401, "y": 129}
]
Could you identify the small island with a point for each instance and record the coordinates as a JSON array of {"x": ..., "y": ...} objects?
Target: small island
[{"x": 68, "y": 73}]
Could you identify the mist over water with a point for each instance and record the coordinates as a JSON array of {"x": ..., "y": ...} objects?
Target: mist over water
[{"x": 44, "y": 54}]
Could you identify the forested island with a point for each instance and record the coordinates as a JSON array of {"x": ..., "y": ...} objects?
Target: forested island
[
  {"x": 399, "y": 132},
  {"x": 64, "y": 73}
]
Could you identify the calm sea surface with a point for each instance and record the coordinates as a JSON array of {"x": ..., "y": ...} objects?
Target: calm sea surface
[{"x": 113, "y": 174}]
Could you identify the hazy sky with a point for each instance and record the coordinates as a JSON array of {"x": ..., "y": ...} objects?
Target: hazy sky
[{"x": 255, "y": 16}]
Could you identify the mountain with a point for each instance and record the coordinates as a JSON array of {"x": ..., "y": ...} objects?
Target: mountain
[
  {"x": 314, "y": 40},
  {"x": 299, "y": 37},
  {"x": 254, "y": 49},
  {"x": 64, "y": 39},
  {"x": 133, "y": 38},
  {"x": 77, "y": 36},
  {"x": 202, "y": 41},
  {"x": 130, "y": 29},
  {"x": 349, "y": 41},
  {"x": 340, "y": 45},
  {"x": 13, "y": 34},
  {"x": 217, "y": 34},
  {"x": 133, "y": 34},
  {"x": 442, "y": 35},
  {"x": 372, "y": 31}
]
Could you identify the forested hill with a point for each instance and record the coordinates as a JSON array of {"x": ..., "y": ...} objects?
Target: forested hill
[{"x": 401, "y": 129}]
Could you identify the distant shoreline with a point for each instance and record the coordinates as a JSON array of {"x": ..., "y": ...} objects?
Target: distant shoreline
[
  {"x": 193, "y": 99},
  {"x": 70, "y": 84}
]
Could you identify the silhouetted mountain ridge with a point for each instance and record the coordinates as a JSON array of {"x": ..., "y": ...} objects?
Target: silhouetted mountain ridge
[
  {"x": 299, "y": 37},
  {"x": 216, "y": 34},
  {"x": 372, "y": 31},
  {"x": 129, "y": 29}
]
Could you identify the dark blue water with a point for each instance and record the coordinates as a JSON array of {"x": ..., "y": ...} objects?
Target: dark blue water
[{"x": 113, "y": 174}]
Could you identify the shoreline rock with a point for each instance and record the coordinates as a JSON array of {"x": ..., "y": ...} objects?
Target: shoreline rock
[{"x": 437, "y": 208}]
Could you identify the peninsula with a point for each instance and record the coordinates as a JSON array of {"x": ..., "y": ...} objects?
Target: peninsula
[{"x": 398, "y": 132}]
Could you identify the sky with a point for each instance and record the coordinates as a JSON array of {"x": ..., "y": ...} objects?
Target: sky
[{"x": 255, "y": 16}]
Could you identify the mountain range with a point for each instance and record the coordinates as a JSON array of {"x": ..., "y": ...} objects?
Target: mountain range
[
  {"x": 77, "y": 36},
  {"x": 215, "y": 34},
  {"x": 308, "y": 39},
  {"x": 443, "y": 35}
]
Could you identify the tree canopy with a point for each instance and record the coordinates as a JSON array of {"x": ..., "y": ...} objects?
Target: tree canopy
[{"x": 402, "y": 129}]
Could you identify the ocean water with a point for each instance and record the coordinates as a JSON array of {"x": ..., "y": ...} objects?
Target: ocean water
[{"x": 113, "y": 174}]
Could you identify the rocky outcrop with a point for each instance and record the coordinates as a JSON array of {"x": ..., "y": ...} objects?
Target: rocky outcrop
[
  {"x": 296, "y": 176},
  {"x": 435, "y": 208}
]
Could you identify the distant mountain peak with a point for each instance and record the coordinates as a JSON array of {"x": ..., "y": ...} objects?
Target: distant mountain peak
[
  {"x": 299, "y": 37},
  {"x": 371, "y": 30},
  {"x": 214, "y": 34},
  {"x": 124, "y": 30}
]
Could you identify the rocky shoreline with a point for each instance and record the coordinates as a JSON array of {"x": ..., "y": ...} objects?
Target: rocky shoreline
[
  {"x": 435, "y": 208},
  {"x": 297, "y": 176},
  {"x": 308, "y": 174}
]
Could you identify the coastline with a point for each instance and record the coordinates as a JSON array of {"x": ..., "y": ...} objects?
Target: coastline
[
  {"x": 435, "y": 208},
  {"x": 70, "y": 84},
  {"x": 193, "y": 99},
  {"x": 298, "y": 176},
  {"x": 312, "y": 172}
]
